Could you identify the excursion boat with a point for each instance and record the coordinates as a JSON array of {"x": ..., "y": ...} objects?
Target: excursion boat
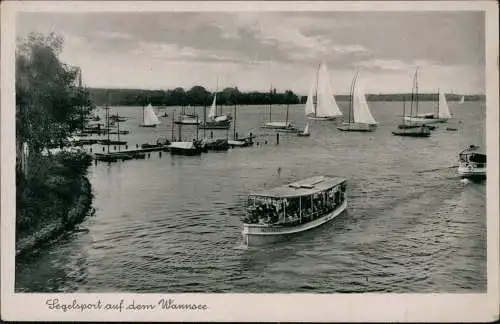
[
  {"x": 149, "y": 118},
  {"x": 321, "y": 104},
  {"x": 472, "y": 163},
  {"x": 362, "y": 119},
  {"x": 294, "y": 208}
]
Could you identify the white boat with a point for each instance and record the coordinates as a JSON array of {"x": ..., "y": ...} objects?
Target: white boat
[
  {"x": 362, "y": 119},
  {"x": 462, "y": 100},
  {"x": 216, "y": 122},
  {"x": 306, "y": 131},
  {"x": 281, "y": 126},
  {"x": 149, "y": 118},
  {"x": 186, "y": 148},
  {"x": 472, "y": 163},
  {"x": 290, "y": 209},
  {"x": 188, "y": 120},
  {"x": 441, "y": 115},
  {"x": 321, "y": 104}
]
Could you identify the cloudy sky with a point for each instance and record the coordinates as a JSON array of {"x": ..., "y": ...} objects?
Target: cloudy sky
[{"x": 253, "y": 50}]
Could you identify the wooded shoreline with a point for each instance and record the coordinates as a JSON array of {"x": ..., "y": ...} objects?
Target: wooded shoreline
[{"x": 199, "y": 96}]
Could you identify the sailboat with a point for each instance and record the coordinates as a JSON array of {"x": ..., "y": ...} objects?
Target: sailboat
[
  {"x": 441, "y": 115},
  {"x": 282, "y": 126},
  {"x": 306, "y": 131},
  {"x": 362, "y": 119},
  {"x": 321, "y": 104},
  {"x": 149, "y": 118},
  {"x": 216, "y": 122},
  {"x": 412, "y": 128},
  {"x": 462, "y": 100}
]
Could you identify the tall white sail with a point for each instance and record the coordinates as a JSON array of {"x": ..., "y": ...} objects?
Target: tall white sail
[
  {"x": 213, "y": 112},
  {"x": 150, "y": 116},
  {"x": 444, "y": 110},
  {"x": 361, "y": 111},
  {"x": 462, "y": 100},
  {"x": 326, "y": 105},
  {"x": 309, "y": 110}
]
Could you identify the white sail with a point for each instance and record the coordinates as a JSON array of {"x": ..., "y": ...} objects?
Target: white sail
[
  {"x": 150, "y": 116},
  {"x": 444, "y": 110},
  {"x": 213, "y": 109},
  {"x": 309, "y": 109},
  {"x": 462, "y": 100},
  {"x": 306, "y": 129},
  {"x": 326, "y": 105},
  {"x": 360, "y": 109}
]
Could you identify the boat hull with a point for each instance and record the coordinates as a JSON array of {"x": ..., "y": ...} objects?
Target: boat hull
[
  {"x": 186, "y": 122},
  {"x": 425, "y": 120},
  {"x": 304, "y": 134},
  {"x": 408, "y": 126},
  {"x": 180, "y": 151},
  {"x": 324, "y": 118},
  {"x": 353, "y": 127},
  {"x": 470, "y": 172},
  {"x": 151, "y": 126},
  {"x": 262, "y": 234}
]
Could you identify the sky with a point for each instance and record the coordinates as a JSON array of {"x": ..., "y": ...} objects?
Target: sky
[{"x": 254, "y": 50}]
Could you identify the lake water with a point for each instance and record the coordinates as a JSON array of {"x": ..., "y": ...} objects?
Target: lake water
[{"x": 172, "y": 223}]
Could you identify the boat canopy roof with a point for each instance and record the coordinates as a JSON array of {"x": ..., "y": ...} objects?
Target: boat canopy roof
[
  {"x": 304, "y": 187},
  {"x": 472, "y": 150}
]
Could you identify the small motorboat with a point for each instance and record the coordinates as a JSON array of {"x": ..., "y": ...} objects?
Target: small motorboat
[{"x": 472, "y": 163}]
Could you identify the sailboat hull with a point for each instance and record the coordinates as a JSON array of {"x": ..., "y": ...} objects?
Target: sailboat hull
[
  {"x": 324, "y": 118},
  {"x": 424, "y": 120},
  {"x": 151, "y": 126},
  {"x": 354, "y": 127}
]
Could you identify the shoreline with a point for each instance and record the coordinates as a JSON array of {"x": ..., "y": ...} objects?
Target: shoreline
[{"x": 77, "y": 213}]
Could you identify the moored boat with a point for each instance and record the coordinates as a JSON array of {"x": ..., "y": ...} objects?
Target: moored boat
[
  {"x": 186, "y": 148},
  {"x": 149, "y": 118},
  {"x": 472, "y": 163},
  {"x": 442, "y": 114},
  {"x": 281, "y": 126},
  {"x": 293, "y": 208},
  {"x": 216, "y": 122},
  {"x": 187, "y": 119},
  {"x": 421, "y": 131}
]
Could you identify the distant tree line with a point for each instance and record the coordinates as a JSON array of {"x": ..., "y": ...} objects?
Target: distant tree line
[
  {"x": 199, "y": 96},
  {"x": 196, "y": 96}
]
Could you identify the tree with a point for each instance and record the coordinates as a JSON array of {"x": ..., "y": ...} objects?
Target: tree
[{"x": 50, "y": 101}]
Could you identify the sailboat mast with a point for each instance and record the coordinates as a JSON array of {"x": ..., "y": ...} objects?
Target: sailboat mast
[
  {"x": 439, "y": 99},
  {"x": 107, "y": 123},
  {"x": 416, "y": 89},
  {"x": 351, "y": 97},
  {"x": 270, "y": 101},
  {"x": 404, "y": 108},
  {"x": 173, "y": 124},
  {"x": 234, "y": 122},
  {"x": 412, "y": 94},
  {"x": 315, "y": 101},
  {"x": 287, "y": 109},
  {"x": 118, "y": 132},
  {"x": 205, "y": 120}
]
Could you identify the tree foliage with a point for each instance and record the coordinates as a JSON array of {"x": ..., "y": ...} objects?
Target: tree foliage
[
  {"x": 50, "y": 102},
  {"x": 196, "y": 96}
]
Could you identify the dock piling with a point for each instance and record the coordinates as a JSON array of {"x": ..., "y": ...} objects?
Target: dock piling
[{"x": 277, "y": 138}]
